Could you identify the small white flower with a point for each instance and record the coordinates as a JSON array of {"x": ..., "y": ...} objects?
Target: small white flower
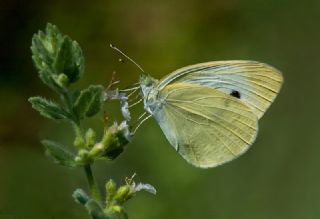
[
  {"x": 116, "y": 95},
  {"x": 124, "y": 107},
  {"x": 141, "y": 186}
]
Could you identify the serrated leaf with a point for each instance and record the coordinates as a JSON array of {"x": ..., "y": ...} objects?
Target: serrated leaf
[
  {"x": 50, "y": 81},
  {"x": 70, "y": 60},
  {"x": 89, "y": 102},
  {"x": 55, "y": 54},
  {"x": 45, "y": 46},
  {"x": 48, "y": 108},
  {"x": 59, "y": 153}
]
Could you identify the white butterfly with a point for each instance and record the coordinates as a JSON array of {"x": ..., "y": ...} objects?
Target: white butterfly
[{"x": 209, "y": 112}]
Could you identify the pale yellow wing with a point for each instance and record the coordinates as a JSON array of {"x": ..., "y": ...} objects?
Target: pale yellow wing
[
  {"x": 206, "y": 126},
  {"x": 256, "y": 84}
]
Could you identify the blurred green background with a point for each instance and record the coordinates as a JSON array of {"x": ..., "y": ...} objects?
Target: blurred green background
[{"x": 278, "y": 177}]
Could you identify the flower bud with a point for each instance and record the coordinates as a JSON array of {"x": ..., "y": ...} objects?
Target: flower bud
[
  {"x": 111, "y": 188},
  {"x": 80, "y": 196},
  {"x": 61, "y": 80},
  {"x": 83, "y": 153},
  {"x": 116, "y": 138},
  {"x": 78, "y": 142},
  {"x": 96, "y": 150},
  {"x": 90, "y": 136},
  {"x": 123, "y": 194},
  {"x": 116, "y": 208}
]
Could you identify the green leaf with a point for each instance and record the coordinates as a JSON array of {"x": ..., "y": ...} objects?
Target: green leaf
[
  {"x": 56, "y": 55},
  {"x": 48, "y": 108},
  {"x": 89, "y": 102},
  {"x": 59, "y": 153},
  {"x": 70, "y": 60},
  {"x": 51, "y": 80},
  {"x": 45, "y": 47}
]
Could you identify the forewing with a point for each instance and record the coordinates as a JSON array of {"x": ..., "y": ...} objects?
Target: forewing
[
  {"x": 256, "y": 83},
  {"x": 206, "y": 126}
]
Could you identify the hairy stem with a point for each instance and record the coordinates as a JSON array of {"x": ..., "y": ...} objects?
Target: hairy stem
[
  {"x": 67, "y": 100},
  {"x": 92, "y": 183}
]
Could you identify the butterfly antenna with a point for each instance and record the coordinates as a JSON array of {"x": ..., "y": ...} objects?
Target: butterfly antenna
[{"x": 130, "y": 59}]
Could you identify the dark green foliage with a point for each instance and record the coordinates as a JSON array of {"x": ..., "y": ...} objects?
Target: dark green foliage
[
  {"x": 48, "y": 108},
  {"x": 70, "y": 60},
  {"x": 114, "y": 152},
  {"x": 45, "y": 47},
  {"x": 118, "y": 137},
  {"x": 58, "y": 59},
  {"x": 89, "y": 102},
  {"x": 59, "y": 154}
]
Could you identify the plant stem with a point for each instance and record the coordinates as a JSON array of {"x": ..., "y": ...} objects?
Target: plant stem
[
  {"x": 92, "y": 183},
  {"x": 125, "y": 215},
  {"x": 67, "y": 100}
]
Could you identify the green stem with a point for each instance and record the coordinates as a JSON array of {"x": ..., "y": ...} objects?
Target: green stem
[
  {"x": 66, "y": 98},
  {"x": 124, "y": 214},
  {"x": 92, "y": 183}
]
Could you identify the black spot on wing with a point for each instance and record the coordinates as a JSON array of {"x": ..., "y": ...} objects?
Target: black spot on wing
[{"x": 236, "y": 94}]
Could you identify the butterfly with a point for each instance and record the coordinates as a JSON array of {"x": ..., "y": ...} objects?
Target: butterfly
[{"x": 209, "y": 112}]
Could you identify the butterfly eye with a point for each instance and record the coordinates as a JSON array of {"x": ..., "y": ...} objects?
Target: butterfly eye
[{"x": 146, "y": 80}]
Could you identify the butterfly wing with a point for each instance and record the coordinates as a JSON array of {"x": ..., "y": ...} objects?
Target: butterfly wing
[
  {"x": 206, "y": 126},
  {"x": 254, "y": 83}
]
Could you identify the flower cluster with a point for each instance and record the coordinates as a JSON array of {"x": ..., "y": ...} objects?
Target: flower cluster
[{"x": 114, "y": 200}]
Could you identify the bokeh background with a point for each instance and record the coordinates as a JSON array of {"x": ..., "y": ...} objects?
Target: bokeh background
[{"x": 279, "y": 177}]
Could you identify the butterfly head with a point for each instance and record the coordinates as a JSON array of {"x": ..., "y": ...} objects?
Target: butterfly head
[
  {"x": 147, "y": 80},
  {"x": 147, "y": 83},
  {"x": 149, "y": 91}
]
